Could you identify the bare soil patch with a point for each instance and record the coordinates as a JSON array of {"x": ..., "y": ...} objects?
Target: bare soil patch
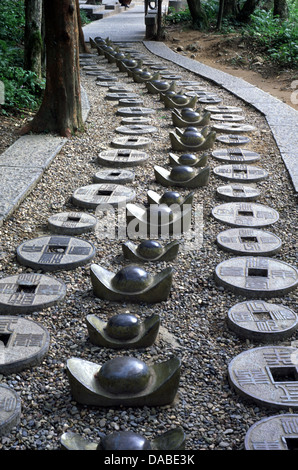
[{"x": 234, "y": 55}]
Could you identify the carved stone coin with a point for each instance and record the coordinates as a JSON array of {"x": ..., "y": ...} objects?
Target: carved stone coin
[
  {"x": 10, "y": 410},
  {"x": 29, "y": 292},
  {"x": 93, "y": 195},
  {"x": 227, "y": 117},
  {"x": 136, "y": 129},
  {"x": 122, "y": 158},
  {"x": 266, "y": 376},
  {"x": 236, "y": 155},
  {"x": 55, "y": 252},
  {"x": 135, "y": 111},
  {"x": 235, "y": 128},
  {"x": 117, "y": 176},
  {"x": 130, "y": 102},
  {"x": 278, "y": 432},
  {"x": 237, "y": 192},
  {"x": 23, "y": 343},
  {"x": 245, "y": 214},
  {"x": 131, "y": 142},
  {"x": 246, "y": 173},
  {"x": 233, "y": 139},
  {"x": 224, "y": 109},
  {"x": 262, "y": 321},
  {"x": 72, "y": 223},
  {"x": 247, "y": 241},
  {"x": 257, "y": 276},
  {"x": 120, "y": 96}
]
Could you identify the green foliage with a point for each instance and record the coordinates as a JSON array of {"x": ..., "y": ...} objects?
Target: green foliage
[
  {"x": 181, "y": 16},
  {"x": 23, "y": 89},
  {"x": 84, "y": 18}
]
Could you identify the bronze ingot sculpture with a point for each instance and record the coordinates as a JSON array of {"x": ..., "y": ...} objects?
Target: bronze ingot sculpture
[
  {"x": 190, "y": 117},
  {"x": 154, "y": 87},
  {"x": 183, "y": 176},
  {"x": 123, "y": 380},
  {"x": 174, "y": 439},
  {"x": 179, "y": 101},
  {"x": 191, "y": 139},
  {"x": 123, "y": 331},
  {"x": 188, "y": 159},
  {"x": 150, "y": 250},
  {"x": 132, "y": 283},
  {"x": 169, "y": 198},
  {"x": 159, "y": 220}
]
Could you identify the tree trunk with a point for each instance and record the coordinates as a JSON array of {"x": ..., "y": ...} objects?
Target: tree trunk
[
  {"x": 83, "y": 45},
  {"x": 231, "y": 8},
  {"x": 33, "y": 43},
  {"x": 159, "y": 16},
  {"x": 60, "y": 111},
  {"x": 281, "y": 9},
  {"x": 247, "y": 9},
  {"x": 199, "y": 18}
]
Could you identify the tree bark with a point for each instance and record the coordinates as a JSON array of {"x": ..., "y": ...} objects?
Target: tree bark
[
  {"x": 199, "y": 18},
  {"x": 247, "y": 9},
  {"x": 60, "y": 111},
  {"x": 33, "y": 43},
  {"x": 281, "y": 9},
  {"x": 231, "y": 8}
]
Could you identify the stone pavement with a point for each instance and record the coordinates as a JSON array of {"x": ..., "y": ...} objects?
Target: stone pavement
[{"x": 18, "y": 178}]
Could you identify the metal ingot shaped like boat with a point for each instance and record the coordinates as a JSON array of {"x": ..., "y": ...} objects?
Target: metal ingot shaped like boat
[
  {"x": 150, "y": 250},
  {"x": 131, "y": 283},
  {"x": 170, "y": 198},
  {"x": 154, "y": 87},
  {"x": 158, "y": 220},
  {"x": 123, "y": 381},
  {"x": 178, "y": 101},
  {"x": 182, "y": 176},
  {"x": 174, "y": 439},
  {"x": 190, "y": 117},
  {"x": 192, "y": 140},
  {"x": 188, "y": 159},
  {"x": 144, "y": 76},
  {"x": 123, "y": 331}
]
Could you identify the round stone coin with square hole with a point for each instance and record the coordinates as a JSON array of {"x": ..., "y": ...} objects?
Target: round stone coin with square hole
[
  {"x": 23, "y": 343},
  {"x": 29, "y": 292},
  {"x": 10, "y": 410},
  {"x": 279, "y": 432},
  {"x": 210, "y": 99},
  {"x": 130, "y": 102},
  {"x": 114, "y": 176},
  {"x": 187, "y": 83},
  {"x": 235, "y": 128},
  {"x": 55, "y": 252},
  {"x": 236, "y": 155},
  {"x": 106, "y": 84},
  {"x": 240, "y": 173},
  {"x": 223, "y": 109},
  {"x": 135, "y": 111},
  {"x": 169, "y": 76},
  {"x": 100, "y": 77},
  {"x": 72, "y": 223},
  {"x": 119, "y": 89},
  {"x": 262, "y": 321},
  {"x": 232, "y": 139},
  {"x": 122, "y": 158},
  {"x": 136, "y": 129},
  {"x": 120, "y": 96},
  {"x": 245, "y": 214},
  {"x": 267, "y": 376},
  {"x": 247, "y": 241},
  {"x": 227, "y": 117},
  {"x": 237, "y": 192},
  {"x": 136, "y": 120},
  {"x": 257, "y": 276},
  {"x": 94, "y": 195},
  {"x": 131, "y": 142}
]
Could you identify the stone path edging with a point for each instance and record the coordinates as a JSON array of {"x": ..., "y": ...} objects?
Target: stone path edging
[{"x": 281, "y": 118}]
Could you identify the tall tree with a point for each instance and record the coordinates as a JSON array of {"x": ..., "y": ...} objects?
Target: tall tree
[
  {"x": 199, "y": 17},
  {"x": 33, "y": 42},
  {"x": 280, "y": 9},
  {"x": 60, "y": 111}
]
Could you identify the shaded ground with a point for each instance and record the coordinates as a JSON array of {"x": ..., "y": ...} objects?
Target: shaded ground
[{"x": 232, "y": 55}]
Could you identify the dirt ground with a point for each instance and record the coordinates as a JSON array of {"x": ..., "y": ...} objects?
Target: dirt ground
[{"x": 232, "y": 55}]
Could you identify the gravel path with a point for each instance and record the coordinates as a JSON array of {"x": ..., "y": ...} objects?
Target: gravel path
[{"x": 193, "y": 319}]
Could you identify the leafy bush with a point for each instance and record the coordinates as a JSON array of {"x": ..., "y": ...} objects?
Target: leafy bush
[{"x": 180, "y": 16}]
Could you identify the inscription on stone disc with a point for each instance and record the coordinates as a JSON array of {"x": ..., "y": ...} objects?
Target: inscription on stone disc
[
  {"x": 262, "y": 321},
  {"x": 120, "y": 96},
  {"x": 245, "y": 214},
  {"x": 267, "y": 376},
  {"x": 130, "y": 102},
  {"x": 131, "y": 142},
  {"x": 72, "y": 223},
  {"x": 227, "y": 117},
  {"x": 117, "y": 176},
  {"x": 237, "y": 192},
  {"x": 10, "y": 409},
  {"x": 278, "y": 432},
  {"x": 247, "y": 241},
  {"x": 257, "y": 276},
  {"x": 239, "y": 173},
  {"x": 209, "y": 99},
  {"x": 29, "y": 292},
  {"x": 135, "y": 111},
  {"x": 136, "y": 129},
  {"x": 136, "y": 120},
  {"x": 223, "y": 109},
  {"x": 94, "y": 195},
  {"x": 232, "y": 139},
  {"x": 23, "y": 343},
  {"x": 55, "y": 252},
  {"x": 235, "y": 128},
  {"x": 122, "y": 158},
  {"x": 236, "y": 155}
]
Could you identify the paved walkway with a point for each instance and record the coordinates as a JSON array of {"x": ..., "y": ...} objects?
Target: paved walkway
[{"x": 22, "y": 164}]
